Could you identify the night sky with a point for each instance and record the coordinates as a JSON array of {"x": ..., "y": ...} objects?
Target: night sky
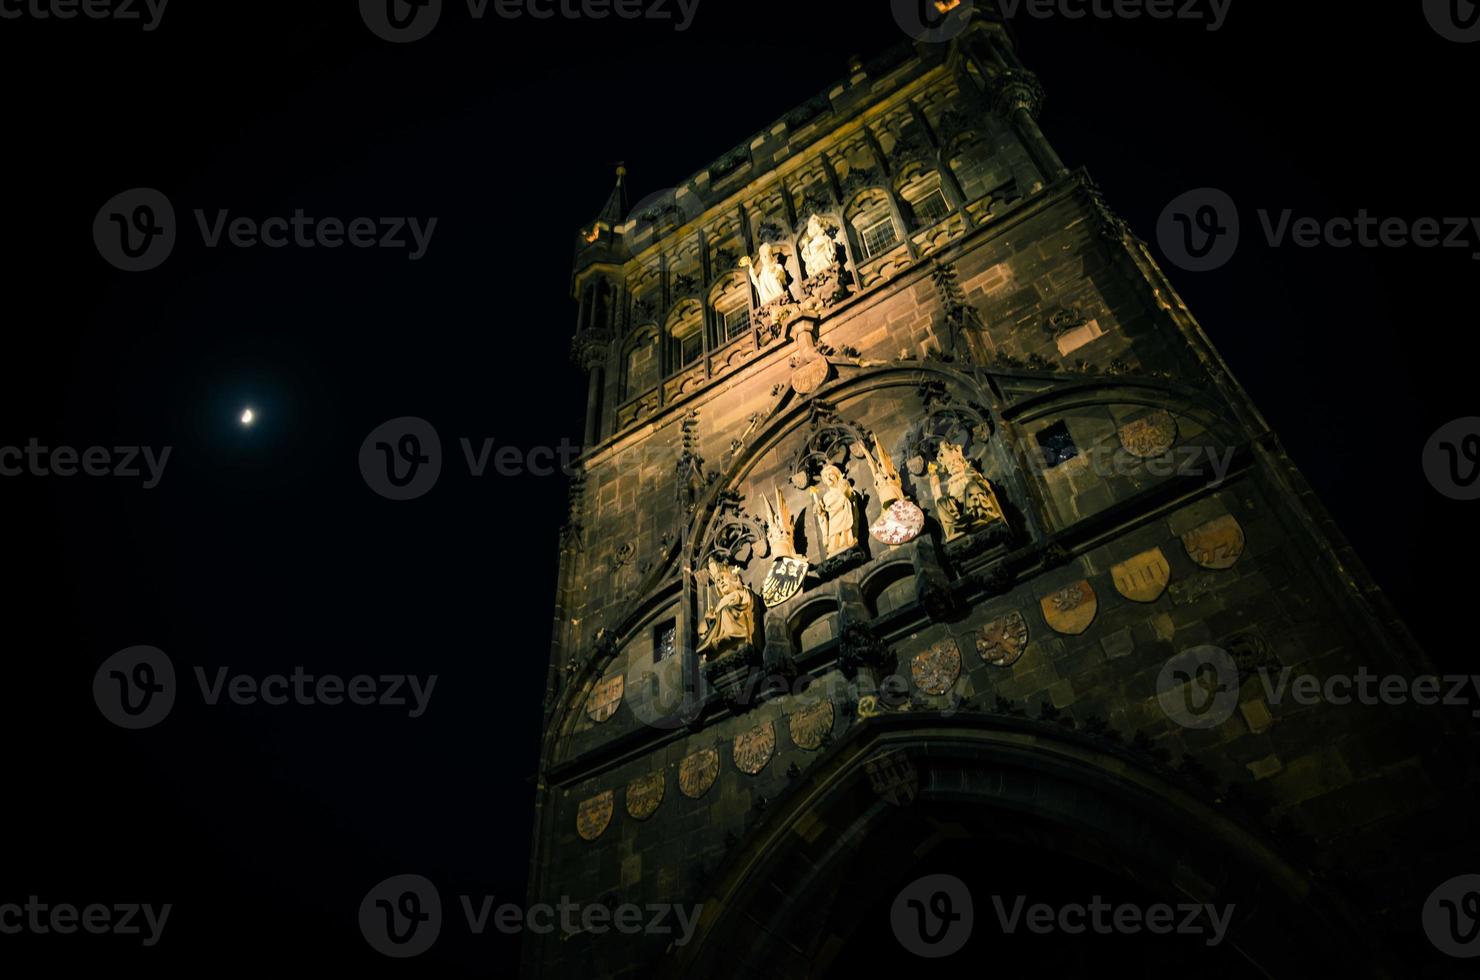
[{"x": 262, "y": 549}]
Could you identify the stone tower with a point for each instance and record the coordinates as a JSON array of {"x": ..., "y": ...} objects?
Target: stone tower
[{"x": 920, "y": 528}]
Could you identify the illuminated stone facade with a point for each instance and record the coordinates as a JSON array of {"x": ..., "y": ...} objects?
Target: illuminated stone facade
[{"x": 763, "y": 679}]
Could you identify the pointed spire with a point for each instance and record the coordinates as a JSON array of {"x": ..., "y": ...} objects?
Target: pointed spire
[{"x": 615, "y": 211}]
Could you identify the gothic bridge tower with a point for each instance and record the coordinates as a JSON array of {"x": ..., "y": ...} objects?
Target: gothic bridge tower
[{"x": 920, "y": 529}]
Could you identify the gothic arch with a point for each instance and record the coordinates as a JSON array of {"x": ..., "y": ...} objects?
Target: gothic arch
[{"x": 774, "y": 907}]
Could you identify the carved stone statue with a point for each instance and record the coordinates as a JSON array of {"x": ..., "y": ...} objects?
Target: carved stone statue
[
  {"x": 965, "y": 500},
  {"x": 769, "y": 276},
  {"x": 732, "y": 623},
  {"x": 780, "y": 531},
  {"x": 836, "y": 507},
  {"x": 819, "y": 248}
]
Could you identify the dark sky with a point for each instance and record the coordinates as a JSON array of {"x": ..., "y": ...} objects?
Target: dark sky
[{"x": 262, "y": 549}]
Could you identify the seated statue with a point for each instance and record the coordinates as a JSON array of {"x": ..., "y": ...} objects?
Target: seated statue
[
  {"x": 819, "y": 248},
  {"x": 732, "y": 623},
  {"x": 965, "y": 500}
]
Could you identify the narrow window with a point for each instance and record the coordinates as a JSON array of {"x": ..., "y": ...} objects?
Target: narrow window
[{"x": 1057, "y": 445}]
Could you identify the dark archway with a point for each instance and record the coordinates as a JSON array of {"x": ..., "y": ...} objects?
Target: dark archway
[{"x": 803, "y": 894}]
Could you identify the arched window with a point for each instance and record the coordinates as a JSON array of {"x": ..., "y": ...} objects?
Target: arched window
[
  {"x": 926, "y": 198},
  {"x": 874, "y": 228},
  {"x": 730, "y": 301},
  {"x": 685, "y": 336},
  {"x": 641, "y": 367}
]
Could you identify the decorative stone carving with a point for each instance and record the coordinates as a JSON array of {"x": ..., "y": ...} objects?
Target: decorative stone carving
[
  {"x": 893, "y": 777},
  {"x": 780, "y": 529},
  {"x": 605, "y": 698},
  {"x": 935, "y": 670},
  {"x": 645, "y": 794},
  {"x": 697, "y": 772},
  {"x": 810, "y": 725},
  {"x": 732, "y": 624},
  {"x": 789, "y": 570},
  {"x": 1142, "y": 578},
  {"x": 1218, "y": 544},
  {"x": 1001, "y": 642},
  {"x": 835, "y": 506},
  {"x": 810, "y": 368},
  {"x": 594, "y": 815},
  {"x": 1071, "y": 610},
  {"x": 901, "y": 521},
  {"x": 754, "y": 748},
  {"x": 964, "y": 501},
  {"x": 1149, "y": 437}
]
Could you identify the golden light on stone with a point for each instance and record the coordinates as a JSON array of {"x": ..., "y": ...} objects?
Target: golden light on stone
[{"x": 946, "y": 6}]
